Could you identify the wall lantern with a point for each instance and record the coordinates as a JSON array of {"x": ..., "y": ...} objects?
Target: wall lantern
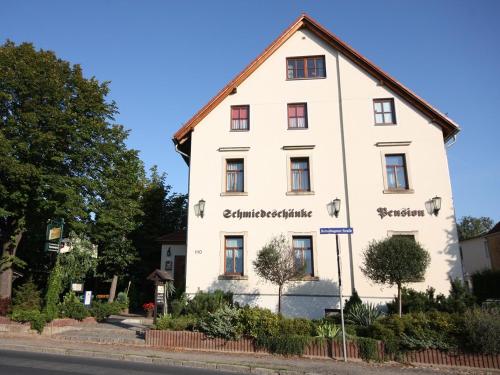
[
  {"x": 436, "y": 205},
  {"x": 199, "y": 208},
  {"x": 334, "y": 207}
]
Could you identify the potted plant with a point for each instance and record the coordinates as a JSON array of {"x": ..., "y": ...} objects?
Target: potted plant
[{"x": 148, "y": 307}]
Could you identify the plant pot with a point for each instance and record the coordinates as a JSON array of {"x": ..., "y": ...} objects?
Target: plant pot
[{"x": 149, "y": 313}]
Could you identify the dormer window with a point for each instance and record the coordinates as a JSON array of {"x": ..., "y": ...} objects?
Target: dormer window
[{"x": 307, "y": 67}]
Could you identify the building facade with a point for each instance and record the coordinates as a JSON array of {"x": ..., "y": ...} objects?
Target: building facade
[{"x": 308, "y": 121}]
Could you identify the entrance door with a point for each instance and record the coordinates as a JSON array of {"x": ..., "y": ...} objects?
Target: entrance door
[{"x": 180, "y": 273}]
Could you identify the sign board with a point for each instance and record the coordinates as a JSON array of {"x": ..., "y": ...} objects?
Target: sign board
[
  {"x": 77, "y": 287},
  {"x": 53, "y": 235},
  {"x": 346, "y": 230},
  {"x": 160, "y": 294},
  {"x": 88, "y": 298}
]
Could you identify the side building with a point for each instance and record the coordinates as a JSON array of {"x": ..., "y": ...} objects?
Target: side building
[{"x": 311, "y": 120}]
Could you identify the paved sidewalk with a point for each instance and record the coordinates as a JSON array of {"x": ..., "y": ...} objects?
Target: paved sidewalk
[{"x": 239, "y": 363}]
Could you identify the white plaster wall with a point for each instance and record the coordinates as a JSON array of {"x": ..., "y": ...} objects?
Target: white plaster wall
[
  {"x": 267, "y": 92},
  {"x": 174, "y": 250},
  {"x": 476, "y": 256}
]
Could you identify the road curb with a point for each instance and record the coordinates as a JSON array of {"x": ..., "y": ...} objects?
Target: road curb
[{"x": 220, "y": 366}]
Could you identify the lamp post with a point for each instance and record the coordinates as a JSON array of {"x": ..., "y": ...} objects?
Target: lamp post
[{"x": 333, "y": 210}]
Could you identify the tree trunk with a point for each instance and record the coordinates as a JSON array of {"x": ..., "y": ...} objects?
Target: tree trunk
[
  {"x": 400, "y": 304},
  {"x": 279, "y": 298},
  {"x": 9, "y": 248},
  {"x": 112, "y": 289}
]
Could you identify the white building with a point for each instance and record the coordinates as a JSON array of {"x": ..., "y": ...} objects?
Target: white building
[{"x": 310, "y": 120}]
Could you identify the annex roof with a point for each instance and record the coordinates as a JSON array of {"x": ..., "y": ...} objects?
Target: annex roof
[
  {"x": 449, "y": 127},
  {"x": 174, "y": 238}
]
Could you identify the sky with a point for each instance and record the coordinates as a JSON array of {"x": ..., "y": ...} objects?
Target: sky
[{"x": 166, "y": 59}]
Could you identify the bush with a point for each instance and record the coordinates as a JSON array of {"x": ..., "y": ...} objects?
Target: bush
[
  {"x": 285, "y": 345},
  {"x": 178, "y": 305},
  {"x": 368, "y": 349},
  {"x": 481, "y": 331},
  {"x": 223, "y": 323},
  {"x": 102, "y": 310},
  {"x": 363, "y": 314},
  {"x": 386, "y": 334},
  {"x": 181, "y": 323},
  {"x": 27, "y": 297},
  {"x": 122, "y": 300},
  {"x": 208, "y": 302},
  {"x": 327, "y": 330},
  {"x": 353, "y": 300},
  {"x": 255, "y": 321},
  {"x": 36, "y": 319},
  {"x": 5, "y": 306},
  {"x": 485, "y": 285},
  {"x": 296, "y": 326},
  {"x": 71, "y": 307}
]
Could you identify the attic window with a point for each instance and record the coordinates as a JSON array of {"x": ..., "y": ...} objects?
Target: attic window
[{"x": 306, "y": 67}]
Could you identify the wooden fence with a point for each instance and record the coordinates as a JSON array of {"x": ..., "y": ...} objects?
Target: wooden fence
[{"x": 317, "y": 348}]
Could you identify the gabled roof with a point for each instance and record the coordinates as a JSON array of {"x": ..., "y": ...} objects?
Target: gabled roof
[
  {"x": 449, "y": 127},
  {"x": 173, "y": 238},
  {"x": 494, "y": 230}
]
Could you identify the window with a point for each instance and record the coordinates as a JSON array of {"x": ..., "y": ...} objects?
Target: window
[
  {"x": 234, "y": 175},
  {"x": 302, "y": 248},
  {"x": 297, "y": 116},
  {"x": 306, "y": 67},
  {"x": 408, "y": 236},
  {"x": 233, "y": 255},
  {"x": 240, "y": 117},
  {"x": 396, "y": 172},
  {"x": 299, "y": 168},
  {"x": 384, "y": 111}
]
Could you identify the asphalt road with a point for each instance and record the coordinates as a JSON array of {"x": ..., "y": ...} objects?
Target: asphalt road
[{"x": 22, "y": 363}]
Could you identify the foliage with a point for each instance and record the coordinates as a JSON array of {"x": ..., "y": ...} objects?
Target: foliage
[
  {"x": 481, "y": 331},
  {"x": 469, "y": 226},
  {"x": 180, "y": 323},
  {"x": 296, "y": 326},
  {"x": 208, "y": 302},
  {"x": 363, "y": 314},
  {"x": 7, "y": 261},
  {"x": 460, "y": 298},
  {"x": 368, "y": 349},
  {"x": 5, "y": 306},
  {"x": 148, "y": 306},
  {"x": 328, "y": 330},
  {"x": 353, "y": 300},
  {"x": 276, "y": 263},
  {"x": 71, "y": 307},
  {"x": 485, "y": 285},
  {"x": 222, "y": 323},
  {"x": 27, "y": 296},
  {"x": 256, "y": 321},
  {"x": 284, "y": 345},
  {"x": 122, "y": 299},
  {"x": 36, "y": 319},
  {"x": 178, "y": 305},
  {"x": 62, "y": 157},
  {"x": 395, "y": 261},
  {"x": 102, "y": 310},
  {"x": 54, "y": 290},
  {"x": 79, "y": 261}
]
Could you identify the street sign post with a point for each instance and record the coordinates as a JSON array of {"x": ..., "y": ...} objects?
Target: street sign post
[
  {"x": 53, "y": 235},
  {"x": 337, "y": 231}
]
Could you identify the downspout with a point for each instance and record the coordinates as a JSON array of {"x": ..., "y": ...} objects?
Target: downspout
[{"x": 344, "y": 165}]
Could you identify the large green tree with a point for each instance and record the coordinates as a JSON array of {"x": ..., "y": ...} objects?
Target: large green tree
[
  {"x": 61, "y": 156},
  {"x": 396, "y": 260},
  {"x": 469, "y": 226}
]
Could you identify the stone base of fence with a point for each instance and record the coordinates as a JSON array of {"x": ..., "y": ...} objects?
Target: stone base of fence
[{"x": 318, "y": 348}]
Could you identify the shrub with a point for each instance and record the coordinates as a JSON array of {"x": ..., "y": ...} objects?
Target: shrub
[
  {"x": 285, "y": 345},
  {"x": 122, "y": 300},
  {"x": 353, "y": 300},
  {"x": 208, "y": 302},
  {"x": 481, "y": 331},
  {"x": 386, "y": 334},
  {"x": 327, "y": 330},
  {"x": 101, "y": 310},
  {"x": 485, "y": 285},
  {"x": 255, "y": 321},
  {"x": 54, "y": 290},
  {"x": 27, "y": 296},
  {"x": 181, "y": 323},
  {"x": 460, "y": 298},
  {"x": 5, "y": 306},
  {"x": 178, "y": 305},
  {"x": 222, "y": 323},
  {"x": 368, "y": 349},
  {"x": 363, "y": 314},
  {"x": 71, "y": 307},
  {"x": 296, "y": 326},
  {"x": 36, "y": 319}
]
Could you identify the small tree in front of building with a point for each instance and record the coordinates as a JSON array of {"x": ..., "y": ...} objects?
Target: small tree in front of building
[
  {"x": 276, "y": 263},
  {"x": 396, "y": 261}
]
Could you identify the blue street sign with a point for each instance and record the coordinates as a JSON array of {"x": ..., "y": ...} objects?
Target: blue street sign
[{"x": 347, "y": 230}]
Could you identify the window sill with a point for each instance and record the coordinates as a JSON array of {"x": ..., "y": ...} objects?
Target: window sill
[
  {"x": 305, "y": 78},
  {"x": 239, "y": 130},
  {"x": 234, "y": 194},
  {"x": 297, "y": 128},
  {"x": 300, "y": 193},
  {"x": 233, "y": 277},
  {"x": 307, "y": 278},
  {"x": 395, "y": 191},
  {"x": 388, "y": 124}
]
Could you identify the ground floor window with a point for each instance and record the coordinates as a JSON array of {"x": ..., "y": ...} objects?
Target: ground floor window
[
  {"x": 233, "y": 255},
  {"x": 302, "y": 247}
]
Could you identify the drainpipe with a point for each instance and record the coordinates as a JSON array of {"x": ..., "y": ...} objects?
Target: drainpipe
[{"x": 344, "y": 165}]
